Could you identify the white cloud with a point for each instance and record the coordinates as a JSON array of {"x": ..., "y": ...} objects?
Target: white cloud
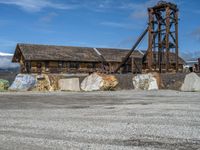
[
  {"x": 114, "y": 24},
  {"x": 96, "y": 5},
  {"x": 140, "y": 8},
  {"x": 196, "y": 34},
  {"x": 190, "y": 55},
  {"x": 117, "y": 25},
  {"x": 49, "y": 17},
  {"x": 5, "y": 54},
  {"x": 35, "y": 5}
]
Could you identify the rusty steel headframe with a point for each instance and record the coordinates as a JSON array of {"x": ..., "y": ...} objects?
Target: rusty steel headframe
[{"x": 163, "y": 36}]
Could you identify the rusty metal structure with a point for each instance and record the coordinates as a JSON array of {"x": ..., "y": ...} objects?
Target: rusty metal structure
[
  {"x": 163, "y": 36},
  {"x": 131, "y": 51},
  {"x": 162, "y": 39}
]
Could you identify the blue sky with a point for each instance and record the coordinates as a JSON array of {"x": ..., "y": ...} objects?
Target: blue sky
[{"x": 97, "y": 23}]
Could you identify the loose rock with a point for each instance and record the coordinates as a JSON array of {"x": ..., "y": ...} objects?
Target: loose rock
[
  {"x": 54, "y": 79},
  {"x": 23, "y": 82},
  {"x": 43, "y": 83},
  {"x": 97, "y": 81}
]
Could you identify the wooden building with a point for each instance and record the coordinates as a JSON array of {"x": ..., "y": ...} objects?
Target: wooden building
[{"x": 65, "y": 59}]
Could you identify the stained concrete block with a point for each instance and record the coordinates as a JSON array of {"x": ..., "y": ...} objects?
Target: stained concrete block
[
  {"x": 191, "y": 83},
  {"x": 71, "y": 84},
  {"x": 145, "y": 82}
]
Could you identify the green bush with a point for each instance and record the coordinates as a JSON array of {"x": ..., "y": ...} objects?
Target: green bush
[{"x": 4, "y": 85}]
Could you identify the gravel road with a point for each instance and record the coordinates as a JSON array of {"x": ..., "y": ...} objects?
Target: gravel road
[{"x": 100, "y": 120}]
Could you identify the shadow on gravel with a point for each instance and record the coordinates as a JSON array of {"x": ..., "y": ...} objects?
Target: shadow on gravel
[
  {"x": 173, "y": 144},
  {"x": 78, "y": 107}
]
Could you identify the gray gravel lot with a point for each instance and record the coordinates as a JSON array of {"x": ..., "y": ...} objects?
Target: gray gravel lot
[{"x": 100, "y": 120}]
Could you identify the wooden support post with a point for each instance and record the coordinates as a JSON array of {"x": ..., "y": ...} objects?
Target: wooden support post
[
  {"x": 176, "y": 37},
  {"x": 167, "y": 37},
  {"x": 132, "y": 65},
  {"x": 150, "y": 40},
  {"x": 159, "y": 47}
]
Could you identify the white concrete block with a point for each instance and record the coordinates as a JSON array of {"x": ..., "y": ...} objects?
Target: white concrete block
[
  {"x": 71, "y": 84},
  {"x": 191, "y": 83}
]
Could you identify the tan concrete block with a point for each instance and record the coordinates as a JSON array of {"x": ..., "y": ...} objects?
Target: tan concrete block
[{"x": 71, "y": 84}]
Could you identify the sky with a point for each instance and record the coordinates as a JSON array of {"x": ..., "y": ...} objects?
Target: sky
[{"x": 90, "y": 23}]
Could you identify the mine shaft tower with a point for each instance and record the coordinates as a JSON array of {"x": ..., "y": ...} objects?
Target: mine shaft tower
[{"x": 163, "y": 37}]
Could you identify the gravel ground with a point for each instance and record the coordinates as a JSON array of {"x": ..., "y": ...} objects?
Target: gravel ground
[{"x": 100, "y": 120}]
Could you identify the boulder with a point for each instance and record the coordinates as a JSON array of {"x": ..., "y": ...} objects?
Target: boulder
[
  {"x": 191, "y": 83},
  {"x": 47, "y": 83},
  {"x": 97, "y": 81},
  {"x": 54, "y": 79},
  {"x": 4, "y": 84},
  {"x": 71, "y": 84},
  {"x": 145, "y": 82},
  {"x": 43, "y": 83},
  {"x": 23, "y": 82}
]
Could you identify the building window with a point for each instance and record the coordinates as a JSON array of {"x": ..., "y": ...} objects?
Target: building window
[
  {"x": 46, "y": 64},
  {"x": 61, "y": 64},
  {"x": 74, "y": 65},
  {"x": 91, "y": 65},
  {"x": 39, "y": 65}
]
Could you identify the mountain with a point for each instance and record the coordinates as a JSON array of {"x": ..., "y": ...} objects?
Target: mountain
[
  {"x": 6, "y": 64},
  {"x": 8, "y": 70},
  {"x": 190, "y": 56}
]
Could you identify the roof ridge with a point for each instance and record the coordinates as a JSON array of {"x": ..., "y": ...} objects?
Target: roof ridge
[{"x": 110, "y": 48}]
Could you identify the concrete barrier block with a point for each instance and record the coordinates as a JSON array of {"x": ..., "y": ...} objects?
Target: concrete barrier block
[
  {"x": 191, "y": 83},
  {"x": 71, "y": 84}
]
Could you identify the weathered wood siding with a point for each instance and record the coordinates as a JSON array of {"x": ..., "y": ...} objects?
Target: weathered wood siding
[
  {"x": 70, "y": 67},
  {"x": 59, "y": 67}
]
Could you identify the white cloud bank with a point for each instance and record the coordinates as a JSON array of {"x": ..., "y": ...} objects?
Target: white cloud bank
[
  {"x": 6, "y": 63},
  {"x": 35, "y": 5},
  {"x": 5, "y": 54}
]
